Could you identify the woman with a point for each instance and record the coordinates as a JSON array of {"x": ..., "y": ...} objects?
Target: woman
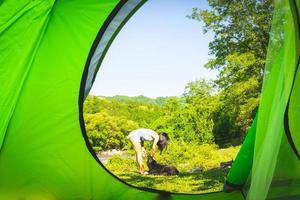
[{"x": 137, "y": 138}]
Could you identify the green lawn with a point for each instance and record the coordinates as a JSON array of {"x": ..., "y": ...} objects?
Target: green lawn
[
  {"x": 207, "y": 181},
  {"x": 211, "y": 179}
]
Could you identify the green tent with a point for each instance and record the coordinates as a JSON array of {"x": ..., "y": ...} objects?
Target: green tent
[{"x": 51, "y": 51}]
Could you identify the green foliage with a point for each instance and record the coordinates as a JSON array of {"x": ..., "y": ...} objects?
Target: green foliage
[
  {"x": 124, "y": 164},
  {"x": 201, "y": 116},
  {"x": 108, "y": 121},
  {"x": 107, "y": 132},
  {"x": 187, "y": 156},
  {"x": 237, "y": 108},
  {"x": 241, "y": 35},
  {"x": 189, "y": 118},
  {"x": 139, "y": 99},
  {"x": 197, "y": 89},
  {"x": 240, "y": 26},
  {"x": 127, "y": 107}
]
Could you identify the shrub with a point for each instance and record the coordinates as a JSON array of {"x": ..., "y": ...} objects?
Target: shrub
[
  {"x": 186, "y": 156},
  {"x": 108, "y": 132}
]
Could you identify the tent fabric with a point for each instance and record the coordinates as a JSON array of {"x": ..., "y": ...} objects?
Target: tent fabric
[
  {"x": 19, "y": 20},
  {"x": 241, "y": 168},
  {"x": 286, "y": 179},
  {"x": 282, "y": 61},
  {"x": 293, "y": 113},
  {"x": 275, "y": 168},
  {"x": 292, "y": 109},
  {"x": 280, "y": 88},
  {"x": 50, "y": 54}
]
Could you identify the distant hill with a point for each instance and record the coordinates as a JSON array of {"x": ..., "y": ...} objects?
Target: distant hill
[{"x": 140, "y": 99}]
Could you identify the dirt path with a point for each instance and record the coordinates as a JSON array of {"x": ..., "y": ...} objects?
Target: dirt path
[{"x": 104, "y": 156}]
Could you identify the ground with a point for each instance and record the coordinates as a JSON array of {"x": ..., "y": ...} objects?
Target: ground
[
  {"x": 204, "y": 182},
  {"x": 190, "y": 179}
]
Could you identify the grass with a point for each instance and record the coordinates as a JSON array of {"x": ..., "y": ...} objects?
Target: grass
[{"x": 211, "y": 179}]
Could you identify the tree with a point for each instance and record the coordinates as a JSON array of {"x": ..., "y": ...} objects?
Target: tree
[
  {"x": 198, "y": 89},
  {"x": 241, "y": 35},
  {"x": 201, "y": 104},
  {"x": 108, "y": 132},
  {"x": 241, "y": 29},
  {"x": 189, "y": 119}
]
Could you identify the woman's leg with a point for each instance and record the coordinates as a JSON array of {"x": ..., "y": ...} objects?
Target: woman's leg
[{"x": 138, "y": 155}]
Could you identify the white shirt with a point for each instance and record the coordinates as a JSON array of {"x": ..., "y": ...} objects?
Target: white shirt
[{"x": 142, "y": 134}]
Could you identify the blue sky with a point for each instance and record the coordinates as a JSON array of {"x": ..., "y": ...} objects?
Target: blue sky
[{"x": 157, "y": 52}]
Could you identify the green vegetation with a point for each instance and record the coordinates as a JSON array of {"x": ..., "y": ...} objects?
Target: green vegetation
[
  {"x": 188, "y": 159},
  {"x": 239, "y": 48},
  {"x": 208, "y": 118},
  {"x": 188, "y": 118},
  {"x": 201, "y": 115}
]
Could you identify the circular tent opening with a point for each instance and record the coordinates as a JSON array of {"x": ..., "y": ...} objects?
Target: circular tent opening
[{"x": 162, "y": 73}]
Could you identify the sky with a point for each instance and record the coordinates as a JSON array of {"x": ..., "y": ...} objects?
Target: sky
[{"x": 157, "y": 52}]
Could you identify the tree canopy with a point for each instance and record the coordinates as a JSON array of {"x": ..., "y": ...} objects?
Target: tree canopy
[{"x": 239, "y": 49}]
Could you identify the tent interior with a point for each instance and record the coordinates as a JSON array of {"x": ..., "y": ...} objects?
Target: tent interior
[{"x": 44, "y": 149}]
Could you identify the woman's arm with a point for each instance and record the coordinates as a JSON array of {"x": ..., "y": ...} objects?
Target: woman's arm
[
  {"x": 144, "y": 152},
  {"x": 154, "y": 145}
]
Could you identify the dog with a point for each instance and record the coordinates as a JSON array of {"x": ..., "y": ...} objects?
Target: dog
[{"x": 158, "y": 169}]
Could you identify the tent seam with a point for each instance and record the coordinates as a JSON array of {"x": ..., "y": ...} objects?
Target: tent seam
[{"x": 287, "y": 131}]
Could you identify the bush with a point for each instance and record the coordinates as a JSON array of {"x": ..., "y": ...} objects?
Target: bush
[
  {"x": 187, "y": 156},
  {"x": 108, "y": 132}
]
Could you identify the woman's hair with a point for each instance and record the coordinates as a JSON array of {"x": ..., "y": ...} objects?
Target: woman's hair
[{"x": 163, "y": 141}]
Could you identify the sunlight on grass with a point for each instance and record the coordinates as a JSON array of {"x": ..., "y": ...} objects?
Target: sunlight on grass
[{"x": 211, "y": 179}]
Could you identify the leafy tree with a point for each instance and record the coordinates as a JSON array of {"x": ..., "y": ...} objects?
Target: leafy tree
[
  {"x": 241, "y": 35},
  {"x": 201, "y": 103},
  {"x": 240, "y": 27},
  {"x": 108, "y": 132},
  {"x": 109, "y": 120},
  {"x": 191, "y": 120},
  {"x": 199, "y": 89}
]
